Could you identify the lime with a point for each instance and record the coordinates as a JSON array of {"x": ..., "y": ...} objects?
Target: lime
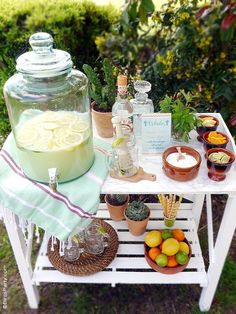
[
  {"x": 161, "y": 260},
  {"x": 101, "y": 230},
  {"x": 183, "y": 246},
  {"x": 75, "y": 239},
  {"x": 170, "y": 246},
  {"x": 182, "y": 257},
  {"x": 153, "y": 238},
  {"x": 166, "y": 233},
  {"x": 117, "y": 142}
]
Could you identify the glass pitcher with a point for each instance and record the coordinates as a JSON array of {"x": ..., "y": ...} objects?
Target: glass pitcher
[{"x": 49, "y": 111}]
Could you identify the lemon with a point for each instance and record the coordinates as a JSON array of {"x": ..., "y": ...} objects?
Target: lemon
[
  {"x": 27, "y": 136},
  {"x": 50, "y": 131},
  {"x": 183, "y": 246},
  {"x": 153, "y": 238},
  {"x": 79, "y": 126},
  {"x": 170, "y": 246}
]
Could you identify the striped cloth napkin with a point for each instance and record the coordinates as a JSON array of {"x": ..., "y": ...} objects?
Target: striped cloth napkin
[{"x": 59, "y": 213}]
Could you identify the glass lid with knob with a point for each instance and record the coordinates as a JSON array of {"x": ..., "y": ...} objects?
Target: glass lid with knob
[
  {"x": 49, "y": 111},
  {"x": 43, "y": 60}
]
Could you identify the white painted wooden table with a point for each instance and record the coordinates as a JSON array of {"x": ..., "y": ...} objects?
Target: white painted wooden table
[{"x": 129, "y": 266}]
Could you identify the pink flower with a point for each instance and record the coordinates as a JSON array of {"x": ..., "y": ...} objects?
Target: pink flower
[
  {"x": 201, "y": 11},
  {"x": 232, "y": 120},
  {"x": 228, "y": 20}
]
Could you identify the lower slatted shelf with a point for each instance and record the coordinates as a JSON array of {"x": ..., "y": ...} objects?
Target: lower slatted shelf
[{"x": 130, "y": 266}]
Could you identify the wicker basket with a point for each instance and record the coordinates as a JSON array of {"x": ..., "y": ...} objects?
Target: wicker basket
[{"x": 87, "y": 264}]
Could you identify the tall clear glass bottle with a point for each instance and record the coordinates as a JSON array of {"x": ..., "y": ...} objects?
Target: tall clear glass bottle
[
  {"x": 141, "y": 104},
  {"x": 122, "y": 107}
]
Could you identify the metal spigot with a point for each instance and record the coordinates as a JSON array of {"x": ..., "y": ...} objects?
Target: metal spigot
[{"x": 53, "y": 176}]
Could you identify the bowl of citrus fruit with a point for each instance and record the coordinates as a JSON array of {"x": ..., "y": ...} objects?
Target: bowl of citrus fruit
[
  {"x": 214, "y": 139},
  {"x": 167, "y": 251}
]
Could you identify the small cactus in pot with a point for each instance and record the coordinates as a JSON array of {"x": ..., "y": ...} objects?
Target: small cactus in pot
[
  {"x": 137, "y": 216},
  {"x": 116, "y": 204}
]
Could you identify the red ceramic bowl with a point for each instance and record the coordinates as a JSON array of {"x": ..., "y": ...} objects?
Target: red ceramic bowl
[
  {"x": 177, "y": 173},
  {"x": 217, "y": 171},
  {"x": 203, "y": 129},
  {"x": 166, "y": 270},
  {"x": 207, "y": 145}
]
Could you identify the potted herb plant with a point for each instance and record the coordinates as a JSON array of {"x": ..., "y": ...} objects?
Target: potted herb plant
[
  {"x": 103, "y": 92},
  {"x": 183, "y": 116},
  {"x": 116, "y": 204},
  {"x": 137, "y": 215}
]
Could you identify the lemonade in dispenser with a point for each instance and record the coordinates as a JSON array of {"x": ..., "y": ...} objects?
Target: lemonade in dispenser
[{"x": 49, "y": 111}]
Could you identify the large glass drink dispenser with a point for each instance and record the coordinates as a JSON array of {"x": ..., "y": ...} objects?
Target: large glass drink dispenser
[{"x": 49, "y": 111}]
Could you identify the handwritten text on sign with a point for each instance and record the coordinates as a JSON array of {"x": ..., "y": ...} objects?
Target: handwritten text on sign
[{"x": 156, "y": 132}]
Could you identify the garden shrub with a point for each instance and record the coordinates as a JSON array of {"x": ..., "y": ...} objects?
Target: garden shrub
[
  {"x": 74, "y": 26},
  {"x": 185, "y": 46}
]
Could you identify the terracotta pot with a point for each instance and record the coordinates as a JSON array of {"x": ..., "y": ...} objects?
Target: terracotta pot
[
  {"x": 177, "y": 173},
  {"x": 137, "y": 227},
  {"x": 117, "y": 211},
  {"x": 102, "y": 121},
  {"x": 203, "y": 129}
]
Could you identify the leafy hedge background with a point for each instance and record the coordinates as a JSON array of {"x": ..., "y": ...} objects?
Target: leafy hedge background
[
  {"x": 74, "y": 26},
  {"x": 185, "y": 44}
]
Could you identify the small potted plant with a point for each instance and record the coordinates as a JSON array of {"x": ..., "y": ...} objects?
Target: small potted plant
[
  {"x": 183, "y": 116},
  {"x": 116, "y": 204},
  {"x": 103, "y": 92},
  {"x": 137, "y": 215}
]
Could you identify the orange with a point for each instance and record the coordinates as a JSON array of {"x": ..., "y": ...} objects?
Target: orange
[
  {"x": 216, "y": 138},
  {"x": 172, "y": 261},
  {"x": 154, "y": 252},
  {"x": 160, "y": 246},
  {"x": 178, "y": 234}
]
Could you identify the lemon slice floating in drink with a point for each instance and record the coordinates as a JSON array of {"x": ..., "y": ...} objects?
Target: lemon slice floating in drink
[{"x": 51, "y": 131}]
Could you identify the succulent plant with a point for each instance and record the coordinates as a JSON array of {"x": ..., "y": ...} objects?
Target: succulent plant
[
  {"x": 103, "y": 85},
  {"x": 117, "y": 199},
  {"x": 137, "y": 211}
]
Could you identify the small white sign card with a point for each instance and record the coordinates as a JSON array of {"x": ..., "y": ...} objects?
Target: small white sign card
[{"x": 156, "y": 132}]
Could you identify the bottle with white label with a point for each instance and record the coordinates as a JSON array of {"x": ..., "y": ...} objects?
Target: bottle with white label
[{"x": 141, "y": 104}]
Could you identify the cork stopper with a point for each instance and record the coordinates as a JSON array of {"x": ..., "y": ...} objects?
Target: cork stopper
[{"x": 122, "y": 80}]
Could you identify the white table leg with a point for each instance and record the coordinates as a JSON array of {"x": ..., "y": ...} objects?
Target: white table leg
[
  {"x": 197, "y": 208},
  {"x": 19, "y": 248},
  {"x": 223, "y": 241}
]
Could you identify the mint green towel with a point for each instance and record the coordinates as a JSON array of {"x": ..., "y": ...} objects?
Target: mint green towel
[{"x": 59, "y": 213}]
